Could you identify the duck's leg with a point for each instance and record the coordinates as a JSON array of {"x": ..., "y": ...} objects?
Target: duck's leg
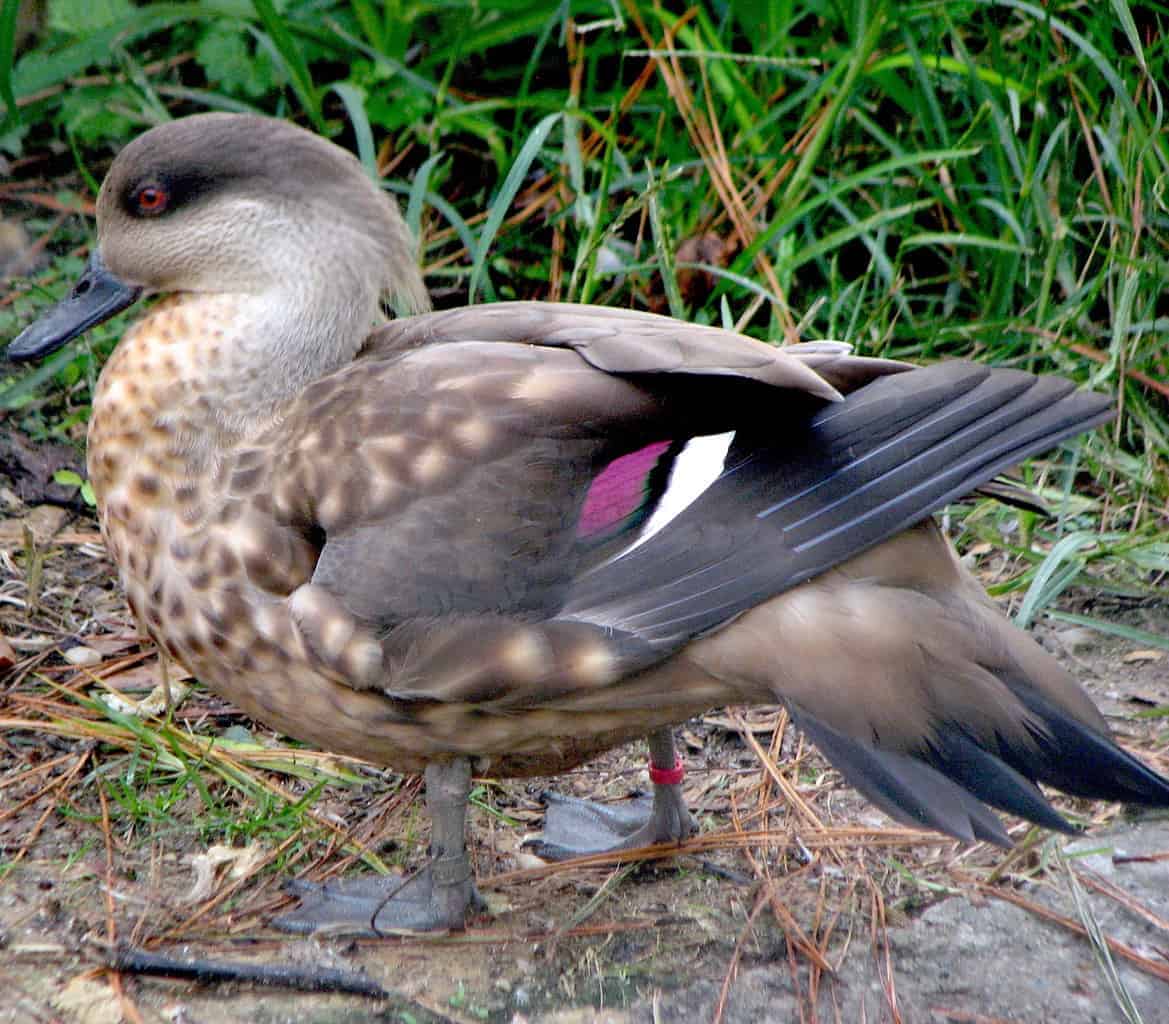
[
  {"x": 435, "y": 898},
  {"x": 576, "y": 828}
]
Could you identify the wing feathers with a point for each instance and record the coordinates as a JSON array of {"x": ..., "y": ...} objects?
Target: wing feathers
[
  {"x": 620, "y": 341},
  {"x": 862, "y": 471},
  {"x": 1080, "y": 760},
  {"x": 497, "y": 664},
  {"x": 959, "y": 757}
]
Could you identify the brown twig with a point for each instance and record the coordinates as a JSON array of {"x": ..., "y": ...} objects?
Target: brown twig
[
  {"x": 129, "y": 1010},
  {"x": 1093, "y": 881},
  {"x": 879, "y": 933},
  {"x": 60, "y": 784}
]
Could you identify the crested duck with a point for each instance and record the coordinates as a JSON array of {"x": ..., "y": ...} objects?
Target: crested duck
[{"x": 443, "y": 543}]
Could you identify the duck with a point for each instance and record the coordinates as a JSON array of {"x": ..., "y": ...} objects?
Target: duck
[{"x": 508, "y": 537}]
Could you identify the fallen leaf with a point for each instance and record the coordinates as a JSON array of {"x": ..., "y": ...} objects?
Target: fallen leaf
[
  {"x": 1134, "y": 656},
  {"x": 762, "y": 719},
  {"x": 696, "y": 283},
  {"x": 525, "y": 860},
  {"x": 153, "y": 704},
  {"x": 29, "y": 469},
  {"x": 586, "y": 1016},
  {"x": 1077, "y": 638},
  {"x": 42, "y": 521},
  {"x": 17, "y": 255},
  {"x": 243, "y": 861},
  {"x": 112, "y": 643}
]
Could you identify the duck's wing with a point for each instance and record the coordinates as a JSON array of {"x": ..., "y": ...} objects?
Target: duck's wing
[
  {"x": 473, "y": 464},
  {"x": 854, "y": 474},
  {"x": 455, "y": 479},
  {"x": 503, "y": 477},
  {"x": 478, "y": 460}
]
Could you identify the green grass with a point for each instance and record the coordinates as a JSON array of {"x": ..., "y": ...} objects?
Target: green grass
[
  {"x": 924, "y": 180},
  {"x": 159, "y": 778}
]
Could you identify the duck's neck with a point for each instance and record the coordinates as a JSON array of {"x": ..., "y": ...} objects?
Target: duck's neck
[{"x": 201, "y": 374}]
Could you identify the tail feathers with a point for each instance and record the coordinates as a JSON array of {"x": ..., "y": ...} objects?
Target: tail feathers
[
  {"x": 946, "y": 786},
  {"x": 1077, "y": 759},
  {"x": 957, "y": 755},
  {"x": 905, "y": 787},
  {"x": 944, "y": 454}
]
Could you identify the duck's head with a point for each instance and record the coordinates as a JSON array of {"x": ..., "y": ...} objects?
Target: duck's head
[{"x": 243, "y": 205}]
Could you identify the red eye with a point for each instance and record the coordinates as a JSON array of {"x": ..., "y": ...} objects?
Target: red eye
[{"x": 150, "y": 199}]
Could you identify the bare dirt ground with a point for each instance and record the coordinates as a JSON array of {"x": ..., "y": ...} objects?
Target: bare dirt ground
[{"x": 797, "y": 902}]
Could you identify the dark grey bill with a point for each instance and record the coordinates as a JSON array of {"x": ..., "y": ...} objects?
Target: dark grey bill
[{"x": 96, "y": 297}]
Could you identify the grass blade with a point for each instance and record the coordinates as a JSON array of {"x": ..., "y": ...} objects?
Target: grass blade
[
  {"x": 8, "y": 13},
  {"x": 1058, "y": 569},
  {"x": 289, "y": 53},
  {"x": 354, "y": 102},
  {"x": 1137, "y": 636},
  {"x": 503, "y": 200}
]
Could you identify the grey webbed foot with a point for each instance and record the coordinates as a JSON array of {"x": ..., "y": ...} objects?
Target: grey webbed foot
[
  {"x": 576, "y": 828},
  {"x": 435, "y": 898}
]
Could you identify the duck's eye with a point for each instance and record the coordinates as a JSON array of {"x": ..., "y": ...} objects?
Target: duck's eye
[{"x": 151, "y": 199}]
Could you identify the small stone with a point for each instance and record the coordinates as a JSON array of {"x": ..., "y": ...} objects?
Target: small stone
[
  {"x": 1077, "y": 638},
  {"x": 80, "y": 655}
]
